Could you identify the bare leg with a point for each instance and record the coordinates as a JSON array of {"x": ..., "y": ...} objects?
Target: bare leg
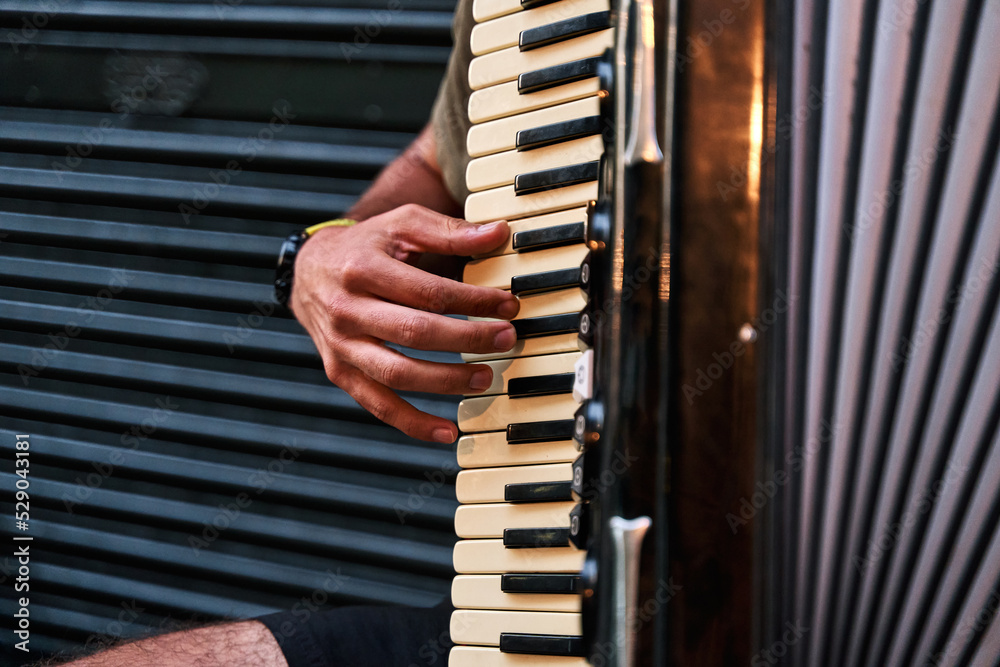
[{"x": 232, "y": 645}]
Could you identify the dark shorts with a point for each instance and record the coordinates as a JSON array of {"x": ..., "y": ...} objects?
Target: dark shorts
[{"x": 363, "y": 636}]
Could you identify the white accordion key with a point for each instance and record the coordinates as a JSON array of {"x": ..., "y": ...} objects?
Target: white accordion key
[
  {"x": 498, "y": 271},
  {"x": 507, "y": 64},
  {"x": 483, "y": 450},
  {"x": 552, "y": 320},
  {"x": 531, "y": 347},
  {"x": 482, "y": 591},
  {"x": 484, "y": 10},
  {"x": 547, "y": 303},
  {"x": 496, "y": 170},
  {"x": 506, "y": 100},
  {"x": 488, "y": 656},
  {"x": 572, "y": 223},
  {"x": 503, "y": 203},
  {"x": 501, "y": 33},
  {"x": 486, "y": 485},
  {"x": 489, "y": 520},
  {"x": 501, "y": 135},
  {"x": 506, "y": 369},
  {"x": 494, "y": 413},
  {"x": 483, "y": 627},
  {"x": 492, "y": 557},
  {"x": 552, "y": 303}
]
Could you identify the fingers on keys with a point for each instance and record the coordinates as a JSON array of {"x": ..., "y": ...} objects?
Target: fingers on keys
[
  {"x": 409, "y": 286},
  {"x": 398, "y": 371},
  {"x": 418, "y": 329},
  {"x": 383, "y": 403}
]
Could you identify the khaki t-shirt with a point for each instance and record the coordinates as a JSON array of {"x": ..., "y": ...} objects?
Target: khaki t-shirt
[{"x": 450, "y": 116}]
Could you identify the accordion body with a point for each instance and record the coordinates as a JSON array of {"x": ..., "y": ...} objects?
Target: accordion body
[{"x": 787, "y": 315}]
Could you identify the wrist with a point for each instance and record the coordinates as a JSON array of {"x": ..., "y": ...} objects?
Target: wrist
[{"x": 284, "y": 273}]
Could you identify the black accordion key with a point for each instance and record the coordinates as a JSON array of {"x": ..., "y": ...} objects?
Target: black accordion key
[
  {"x": 540, "y": 583},
  {"x": 557, "y": 75},
  {"x": 531, "y": 4},
  {"x": 547, "y": 325},
  {"x": 537, "y": 492},
  {"x": 578, "y": 26},
  {"x": 535, "y": 538},
  {"x": 540, "y": 385},
  {"x": 549, "y": 237},
  {"x": 547, "y": 135},
  {"x": 523, "y": 434},
  {"x": 543, "y": 282},
  {"x": 569, "y": 645},
  {"x": 560, "y": 177}
]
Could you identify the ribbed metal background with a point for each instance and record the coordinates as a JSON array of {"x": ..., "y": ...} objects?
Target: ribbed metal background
[
  {"x": 139, "y": 348},
  {"x": 891, "y": 532}
]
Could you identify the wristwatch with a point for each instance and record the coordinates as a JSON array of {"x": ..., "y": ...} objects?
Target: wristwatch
[{"x": 284, "y": 273}]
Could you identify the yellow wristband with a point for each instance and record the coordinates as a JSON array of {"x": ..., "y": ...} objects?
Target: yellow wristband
[{"x": 339, "y": 222}]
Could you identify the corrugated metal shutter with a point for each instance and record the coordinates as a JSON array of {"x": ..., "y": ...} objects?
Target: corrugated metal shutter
[{"x": 152, "y": 157}]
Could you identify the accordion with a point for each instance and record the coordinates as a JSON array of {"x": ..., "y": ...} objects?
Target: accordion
[{"x": 753, "y": 416}]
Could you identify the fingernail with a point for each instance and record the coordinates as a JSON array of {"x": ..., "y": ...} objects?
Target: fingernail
[
  {"x": 508, "y": 309},
  {"x": 444, "y": 435},
  {"x": 505, "y": 339},
  {"x": 480, "y": 380},
  {"x": 486, "y": 229}
]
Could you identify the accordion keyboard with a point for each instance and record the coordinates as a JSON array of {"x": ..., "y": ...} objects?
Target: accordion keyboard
[{"x": 536, "y": 150}]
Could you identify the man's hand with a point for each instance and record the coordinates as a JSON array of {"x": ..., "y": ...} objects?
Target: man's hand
[{"x": 356, "y": 289}]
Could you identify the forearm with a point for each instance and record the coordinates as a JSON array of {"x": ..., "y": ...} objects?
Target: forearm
[{"x": 412, "y": 178}]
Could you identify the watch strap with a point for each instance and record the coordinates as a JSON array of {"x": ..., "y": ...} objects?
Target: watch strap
[{"x": 284, "y": 273}]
